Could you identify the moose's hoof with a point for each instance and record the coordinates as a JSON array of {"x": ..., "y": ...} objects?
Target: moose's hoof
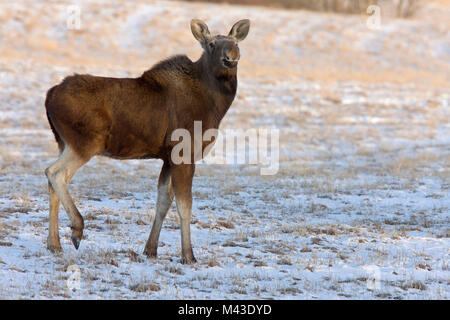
[
  {"x": 54, "y": 248},
  {"x": 76, "y": 242},
  {"x": 151, "y": 254},
  {"x": 77, "y": 235},
  {"x": 185, "y": 260}
]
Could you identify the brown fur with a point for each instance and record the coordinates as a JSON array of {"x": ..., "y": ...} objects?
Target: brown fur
[{"x": 133, "y": 118}]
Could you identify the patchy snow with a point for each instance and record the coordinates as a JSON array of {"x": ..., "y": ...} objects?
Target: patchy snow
[{"x": 358, "y": 210}]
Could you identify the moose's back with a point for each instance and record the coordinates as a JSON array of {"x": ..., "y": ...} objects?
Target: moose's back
[{"x": 124, "y": 118}]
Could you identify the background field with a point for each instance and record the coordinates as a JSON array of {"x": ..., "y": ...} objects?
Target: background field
[{"x": 359, "y": 208}]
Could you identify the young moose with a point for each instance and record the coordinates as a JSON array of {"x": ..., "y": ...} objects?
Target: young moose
[{"x": 133, "y": 118}]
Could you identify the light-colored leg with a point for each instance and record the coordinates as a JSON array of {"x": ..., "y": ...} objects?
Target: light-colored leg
[
  {"x": 53, "y": 243},
  {"x": 59, "y": 174},
  {"x": 182, "y": 176},
  {"x": 165, "y": 198}
]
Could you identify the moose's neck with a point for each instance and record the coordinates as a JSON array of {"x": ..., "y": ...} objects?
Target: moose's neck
[{"x": 221, "y": 84}]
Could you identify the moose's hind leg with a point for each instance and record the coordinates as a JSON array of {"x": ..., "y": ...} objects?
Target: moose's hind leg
[
  {"x": 59, "y": 174},
  {"x": 53, "y": 243}
]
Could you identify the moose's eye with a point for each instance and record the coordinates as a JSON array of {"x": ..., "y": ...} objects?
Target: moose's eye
[{"x": 211, "y": 45}]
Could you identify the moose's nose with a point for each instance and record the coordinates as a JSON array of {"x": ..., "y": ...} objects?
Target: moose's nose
[{"x": 231, "y": 55}]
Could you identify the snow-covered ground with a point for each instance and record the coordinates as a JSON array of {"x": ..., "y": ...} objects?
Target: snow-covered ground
[{"x": 359, "y": 208}]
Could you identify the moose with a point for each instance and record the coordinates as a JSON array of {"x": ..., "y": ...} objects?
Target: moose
[{"x": 133, "y": 118}]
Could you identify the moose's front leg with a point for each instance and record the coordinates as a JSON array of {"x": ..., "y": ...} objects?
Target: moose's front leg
[{"x": 182, "y": 176}]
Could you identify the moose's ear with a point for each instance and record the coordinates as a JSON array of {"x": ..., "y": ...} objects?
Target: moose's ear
[
  {"x": 200, "y": 30},
  {"x": 240, "y": 30}
]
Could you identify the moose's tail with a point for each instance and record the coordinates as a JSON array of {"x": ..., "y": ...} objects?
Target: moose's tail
[{"x": 55, "y": 133}]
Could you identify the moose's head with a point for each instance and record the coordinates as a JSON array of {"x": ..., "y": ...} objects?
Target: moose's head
[{"x": 222, "y": 51}]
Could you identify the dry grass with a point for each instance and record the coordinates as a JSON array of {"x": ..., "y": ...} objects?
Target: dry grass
[
  {"x": 356, "y": 158},
  {"x": 144, "y": 287},
  {"x": 213, "y": 262}
]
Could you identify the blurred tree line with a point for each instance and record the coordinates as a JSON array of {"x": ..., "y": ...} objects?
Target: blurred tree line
[{"x": 400, "y": 8}]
